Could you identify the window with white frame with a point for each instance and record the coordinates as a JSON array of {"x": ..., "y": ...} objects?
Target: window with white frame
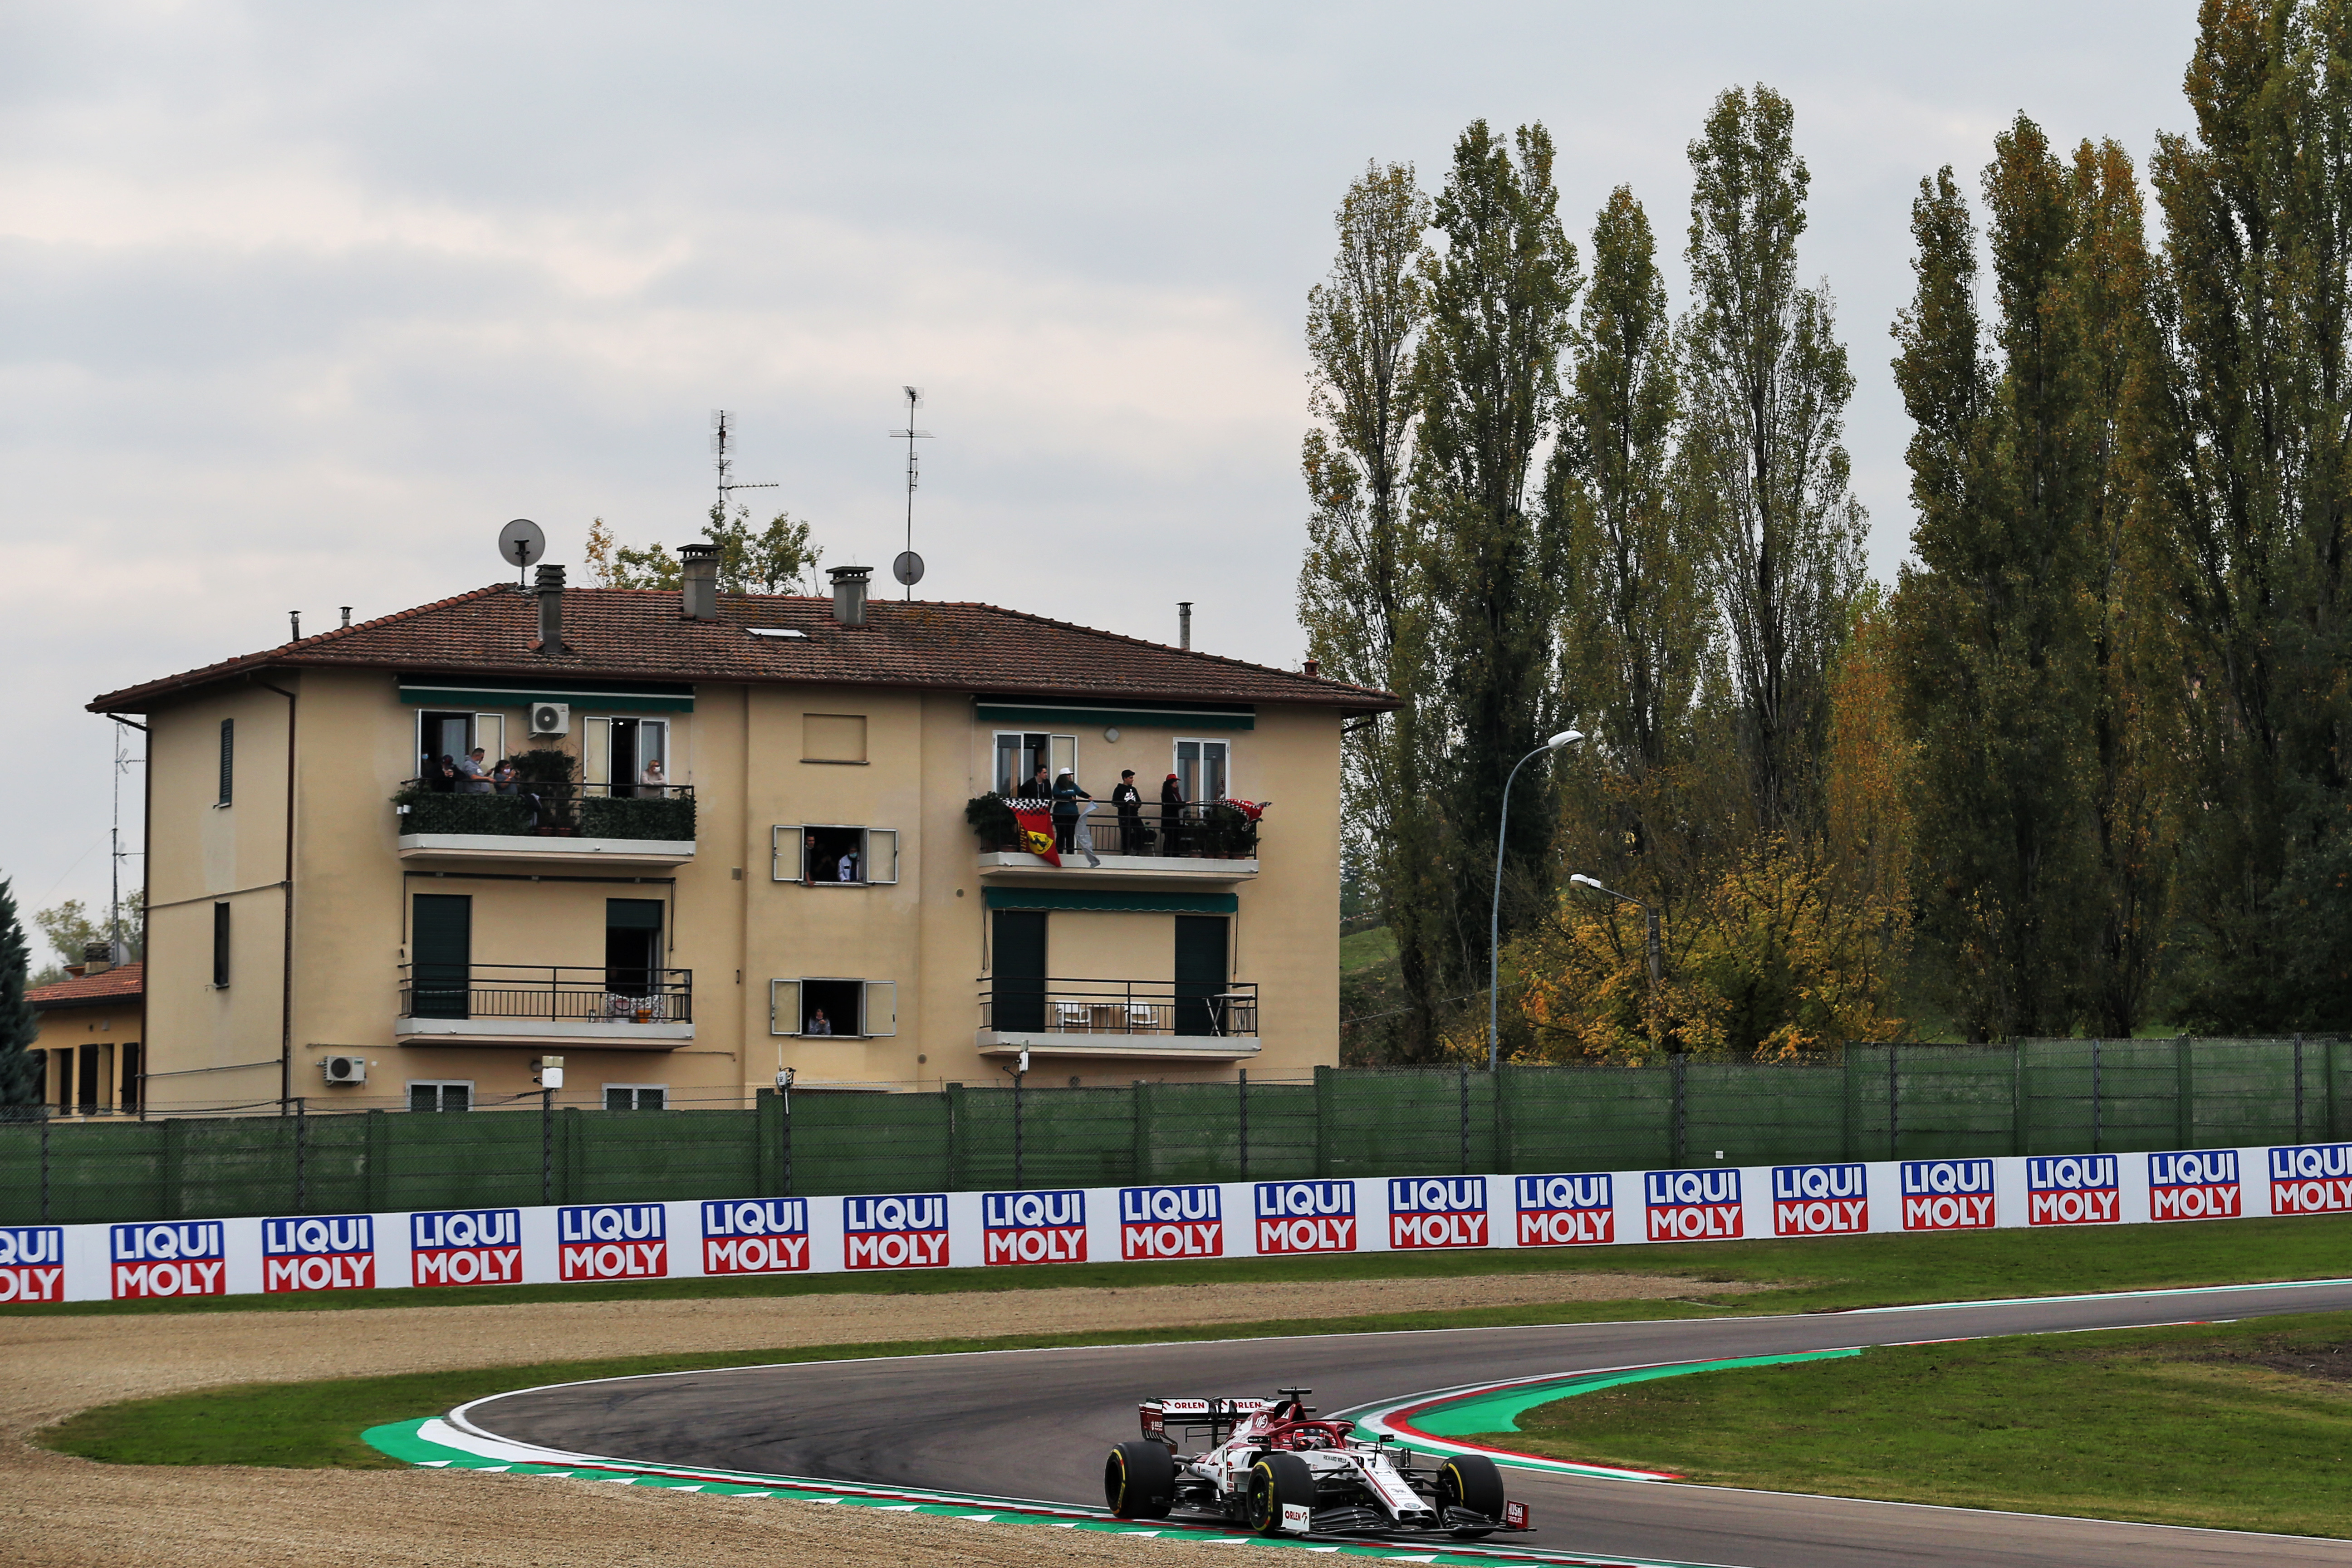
[
  {"x": 440, "y": 1094},
  {"x": 1202, "y": 770},
  {"x": 627, "y": 757},
  {"x": 816, "y": 1006},
  {"x": 833, "y": 855},
  {"x": 443, "y": 733},
  {"x": 1020, "y": 753},
  {"x": 636, "y": 1097}
]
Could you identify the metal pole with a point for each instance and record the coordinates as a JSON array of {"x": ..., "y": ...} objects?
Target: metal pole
[
  {"x": 2298, "y": 1089},
  {"x": 1893, "y": 1104},
  {"x": 1017, "y": 1078},
  {"x": 1494, "y": 916},
  {"x": 1657, "y": 969},
  {"x": 2095, "y": 1129},
  {"x": 45, "y": 1164},
  {"x": 1466, "y": 1121},
  {"x": 785, "y": 1094},
  {"x": 301, "y": 1130},
  {"x": 1244, "y": 1131},
  {"x": 546, "y": 1145}
]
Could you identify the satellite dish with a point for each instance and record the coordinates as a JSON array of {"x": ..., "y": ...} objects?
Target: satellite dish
[
  {"x": 522, "y": 543},
  {"x": 908, "y": 568}
]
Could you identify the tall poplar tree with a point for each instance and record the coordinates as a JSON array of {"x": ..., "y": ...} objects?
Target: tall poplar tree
[
  {"x": 1501, "y": 296},
  {"x": 1768, "y": 386}
]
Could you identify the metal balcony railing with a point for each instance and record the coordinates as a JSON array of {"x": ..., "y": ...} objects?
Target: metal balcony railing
[
  {"x": 1198, "y": 829},
  {"x": 553, "y": 993},
  {"x": 563, "y": 810},
  {"x": 1119, "y": 1006}
]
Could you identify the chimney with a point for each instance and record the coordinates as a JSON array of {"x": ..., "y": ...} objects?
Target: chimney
[
  {"x": 550, "y": 589},
  {"x": 295, "y": 618},
  {"x": 849, "y": 594},
  {"x": 1184, "y": 623},
  {"x": 347, "y": 615},
  {"x": 97, "y": 957},
  {"x": 1313, "y": 668},
  {"x": 697, "y": 567}
]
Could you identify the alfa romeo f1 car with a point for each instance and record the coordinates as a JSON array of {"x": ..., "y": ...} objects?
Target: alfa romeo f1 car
[{"x": 1268, "y": 1463}]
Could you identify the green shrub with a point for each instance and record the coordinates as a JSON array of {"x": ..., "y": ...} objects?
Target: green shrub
[
  {"x": 993, "y": 821},
  {"x": 429, "y": 811},
  {"x": 672, "y": 818}
]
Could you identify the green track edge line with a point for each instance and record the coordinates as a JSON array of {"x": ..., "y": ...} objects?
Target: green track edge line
[{"x": 1500, "y": 1411}]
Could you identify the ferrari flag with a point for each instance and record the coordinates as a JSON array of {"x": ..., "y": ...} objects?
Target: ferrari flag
[{"x": 1036, "y": 819}]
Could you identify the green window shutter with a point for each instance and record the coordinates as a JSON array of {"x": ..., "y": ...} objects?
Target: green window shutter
[{"x": 229, "y": 758}]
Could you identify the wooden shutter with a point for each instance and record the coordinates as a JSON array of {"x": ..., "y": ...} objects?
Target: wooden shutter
[
  {"x": 784, "y": 1007},
  {"x": 788, "y": 852},
  {"x": 881, "y": 860},
  {"x": 228, "y": 758}
]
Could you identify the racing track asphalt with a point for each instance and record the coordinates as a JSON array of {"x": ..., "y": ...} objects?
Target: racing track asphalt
[{"x": 1036, "y": 1424}]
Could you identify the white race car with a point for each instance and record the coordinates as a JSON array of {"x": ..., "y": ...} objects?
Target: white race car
[{"x": 1268, "y": 1463}]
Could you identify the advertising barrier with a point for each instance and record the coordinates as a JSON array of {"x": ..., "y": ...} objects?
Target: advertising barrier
[{"x": 1017, "y": 1227}]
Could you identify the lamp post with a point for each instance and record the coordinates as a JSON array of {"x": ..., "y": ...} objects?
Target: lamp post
[
  {"x": 1650, "y": 943},
  {"x": 1494, "y": 915}
]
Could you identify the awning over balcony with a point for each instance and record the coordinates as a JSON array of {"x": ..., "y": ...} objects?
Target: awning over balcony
[{"x": 471, "y": 691}]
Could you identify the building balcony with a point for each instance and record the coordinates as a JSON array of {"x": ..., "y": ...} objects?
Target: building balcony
[
  {"x": 648, "y": 824},
  {"x": 1138, "y": 1020},
  {"x": 1209, "y": 841},
  {"x": 545, "y": 1004}
]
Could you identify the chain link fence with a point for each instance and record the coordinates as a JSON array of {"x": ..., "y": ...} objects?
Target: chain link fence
[{"x": 1868, "y": 1102}]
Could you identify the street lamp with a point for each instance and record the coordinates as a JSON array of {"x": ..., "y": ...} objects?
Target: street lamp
[
  {"x": 1494, "y": 916},
  {"x": 1650, "y": 920}
]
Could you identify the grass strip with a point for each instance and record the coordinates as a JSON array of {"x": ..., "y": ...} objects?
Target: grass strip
[
  {"x": 1824, "y": 1274},
  {"x": 2228, "y": 1426}
]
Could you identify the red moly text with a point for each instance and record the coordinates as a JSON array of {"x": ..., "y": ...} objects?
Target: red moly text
[
  {"x": 465, "y": 1247},
  {"x": 1692, "y": 1206},
  {"x": 611, "y": 1241},
  {"x": 1437, "y": 1211},
  {"x": 1566, "y": 1211},
  {"x": 1306, "y": 1216},
  {"x": 1170, "y": 1222},
  {"x": 899, "y": 1232},
  {"x": 1819, "y": 1200},
  {"x": 2198, "y": 1184},
  {"x": 2072, "y": 1189},
  {"x": 319, "y": 1252},
  {"x": 32, "y": 1263},
  {"x": 1947, "y": 1195},
  {"x": 2310, "y": 1178},
  {"x": 755, "y": 1236},
  {"x": 168, "y": 1260},
  {"x": 1034, "y": 1227}
]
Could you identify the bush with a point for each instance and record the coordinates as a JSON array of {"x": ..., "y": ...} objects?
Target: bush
[
  {"x": 430, "y": 811},
  {"x": 993, "y": 821},
  {"x": 1226, "y": 833},
  {"x": 544, "y": 765},
  {"x": 631, "y": 819}
]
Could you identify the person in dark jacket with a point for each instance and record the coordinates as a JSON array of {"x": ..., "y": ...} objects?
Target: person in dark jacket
[
  {"x": 1037, "y": 788},
  {"x": 1129, "y": 801},
  {"x": 1171, "y": 816},
  {"x": 1068, "y": 834},
  {"x": 442, "y": 776}
]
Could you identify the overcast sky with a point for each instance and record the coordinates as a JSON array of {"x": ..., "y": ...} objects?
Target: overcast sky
[{"x": 299, "y": 303}]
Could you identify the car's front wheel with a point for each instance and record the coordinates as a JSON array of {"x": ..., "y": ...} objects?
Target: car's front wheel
[
  {"x": 1276, "y": 1479},
  {"x": 1139, "y": 1480},
  {"x": 1470, "y": 1481}
]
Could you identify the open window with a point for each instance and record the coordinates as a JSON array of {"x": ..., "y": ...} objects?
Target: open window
[
  {"x": 820, "y": 1007},
  {"x": 630, "y": 757},
  {"x": 833, "y": 855},
  {"x": 441, "y": 733},
  {"x": 1019, "y": 755},
  {"x": 1202, "y": 769}
]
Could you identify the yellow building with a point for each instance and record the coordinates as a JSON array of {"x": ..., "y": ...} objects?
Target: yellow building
[
  {"x": 91, "y": 1027},
  {"x": 738, "y": 841}
]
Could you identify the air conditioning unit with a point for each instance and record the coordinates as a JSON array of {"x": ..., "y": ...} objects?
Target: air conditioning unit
[
  {"x": 345, "y": 1069},
  {"x": 551, "y": 718}
]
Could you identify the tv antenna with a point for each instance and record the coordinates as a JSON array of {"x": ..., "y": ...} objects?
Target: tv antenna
[
  {"x": 721, "y": 441},
  {"x": 908, "y": 567}
]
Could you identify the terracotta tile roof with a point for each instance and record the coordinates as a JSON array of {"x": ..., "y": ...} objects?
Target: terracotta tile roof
[
  {"x": 123, "y": 983},
  {"x": 638, "y": 633}
]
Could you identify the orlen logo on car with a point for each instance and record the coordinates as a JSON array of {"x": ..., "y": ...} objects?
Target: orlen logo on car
[
  {"x": 1819, "y": 1200},
  {"x": 899, "y": 1232},
  {"x": 169, "y": 1260},
  {"x": 2074, "y": 1189},
  {"x": 319, "y": 1252},
  {"x": 755, "y": 1236},
  {"x": 611, "y": 1241},
  {"x": 1566, "y": 1211},
  {"x": 2310, "y": 1178},
  {"x": 1170, "y": 1222},
  {"x": 465, "y": 1247},
  {"x": 32, "y": 1263},
  {"x": 1947, "y": 1195},
  {"x": 1034, "y": 1227},
  {"x": 1692, "y": 1206},
  {"x": 1306, "y": 1216},
  {"x": 2198, "y": 1184},
  {"x": 1437, "y": 1211}
]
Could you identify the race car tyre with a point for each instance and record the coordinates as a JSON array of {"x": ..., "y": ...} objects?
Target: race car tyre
[
  {"x": 1139, "y": 1480},
  {"x": 1471, "y": 1481},
  {"x": 1276, "y": 1479}
]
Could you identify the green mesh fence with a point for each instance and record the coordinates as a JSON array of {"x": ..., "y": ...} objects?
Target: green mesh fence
[{"x": 1872, "y": 1102}]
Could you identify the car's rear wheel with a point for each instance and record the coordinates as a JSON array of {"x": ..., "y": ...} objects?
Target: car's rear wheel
[
  {"x": 1139, "y": 1480},
  {"x": 1470, "y": 1481},
  {"x": 1276, "y": 1479}
]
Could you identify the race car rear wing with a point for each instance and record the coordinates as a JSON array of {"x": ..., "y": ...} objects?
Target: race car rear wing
[{"x": 1215, "y": 1416}]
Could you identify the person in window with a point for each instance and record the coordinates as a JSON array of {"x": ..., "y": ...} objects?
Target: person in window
[
  {"x": 656, "y": 783},
  {"x": 474, "y": 772},
  {"x": 1069, "y": 830},
  {"x": 442, "y": 776},
  {"x": 818, "y": 1024},
  {"x": 1129, "y": 801},
  {"x": 1171, "y": 816},
  {"x": 849, "y": 867},
  {"x": 1037, "y": 788}
]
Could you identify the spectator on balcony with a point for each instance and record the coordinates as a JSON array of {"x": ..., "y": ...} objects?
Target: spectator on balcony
[
  {"x": 474, "y": 772},
  {"x": 442, "y": 776},
  {"x": 1069, "y": 830},
  {"x": 656, "y": 781},
  {"x": 506, "y": 778},
  {"x": 1037, "y": 788},
  {"x": 1171, "y": 816},
  {"x": 1129, "y": 801}
]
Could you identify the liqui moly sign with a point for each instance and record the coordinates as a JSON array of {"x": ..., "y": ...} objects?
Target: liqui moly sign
[
  {"x": 1170, "y": 1222},
  {"x": 319, "y": 1252},
  {"x": 465, "y": 1247},
  {"x": 1034, "y": 1227},
  {"x": 32, "y": 1263},
  {"x": 902, "y": 1231},
  {"x": 1693, "y": 1205},
  {"x": 1947, "y": 1195},
  {"x": 1821, "y": 1200},
  {"x": 182, "y": 1259},
  {"x": 1566, "y": 1211},
  {"x": 611, "y": 1241},
  {"x": 1437, "y": 1211},
  {"x": 2200, "y": 1184},
  {"x": 1306, "y": 1216},
  {"x": 755, "y": 1236},
  {"x": 2310, "y": 1178},
  {"x": 2074, "y": 1189}
]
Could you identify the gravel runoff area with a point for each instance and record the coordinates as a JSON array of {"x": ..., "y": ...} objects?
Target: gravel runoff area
[{"x": 66, "y": 1513}]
